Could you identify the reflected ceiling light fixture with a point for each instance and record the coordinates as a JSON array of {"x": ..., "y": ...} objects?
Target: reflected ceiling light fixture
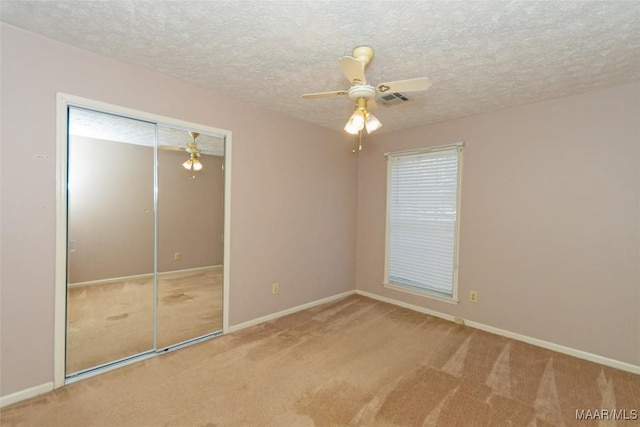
[{"x": 193, "y": 163}]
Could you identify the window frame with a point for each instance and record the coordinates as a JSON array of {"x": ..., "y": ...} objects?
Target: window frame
[{"x": 426, "y": 293}]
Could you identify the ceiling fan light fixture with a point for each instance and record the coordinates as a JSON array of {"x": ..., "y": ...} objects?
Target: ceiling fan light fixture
[
  {"x": 192, "y": 163},
  {"x": 355, "y": 123},
  {"x": 372, "y": 123}
]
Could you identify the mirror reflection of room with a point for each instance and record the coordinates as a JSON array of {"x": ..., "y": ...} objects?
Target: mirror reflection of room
[
  {"x": 190, "y": 235},
  {"x": 145, "y": 249}
]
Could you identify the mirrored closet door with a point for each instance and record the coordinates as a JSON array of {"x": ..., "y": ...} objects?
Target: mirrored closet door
[
  {"x": 190, "y": 235},
  {"x": 145, "y": 228}
]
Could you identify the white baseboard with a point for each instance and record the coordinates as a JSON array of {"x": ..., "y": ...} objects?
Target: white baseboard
[
  {"x": 21, "y": 395},
  {"x": 623, "y": 366},
  {"x": 292, "y": 310}
]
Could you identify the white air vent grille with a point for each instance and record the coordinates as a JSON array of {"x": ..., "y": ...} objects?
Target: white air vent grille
[{"x": 392, "y": 98}]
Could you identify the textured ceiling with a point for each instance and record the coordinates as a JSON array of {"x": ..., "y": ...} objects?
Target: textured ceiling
[{"x": 480, "y": 55}]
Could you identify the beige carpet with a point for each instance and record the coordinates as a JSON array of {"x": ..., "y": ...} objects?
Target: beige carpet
[
  {"x": 354, "y": 362},
  {"x": 114, "y": 320}
]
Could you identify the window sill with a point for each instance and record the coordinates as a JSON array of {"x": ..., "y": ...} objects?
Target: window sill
[{"x": 454, "y": 301}]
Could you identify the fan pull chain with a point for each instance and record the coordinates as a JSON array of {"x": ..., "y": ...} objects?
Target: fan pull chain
[{"x": 359, "y": 142}]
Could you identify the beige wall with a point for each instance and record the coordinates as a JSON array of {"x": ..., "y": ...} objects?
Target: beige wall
[
  {"x": 293, "y": 206},
  {"x": 550, "y": 215},
  {"x": 110, "y": 209}
]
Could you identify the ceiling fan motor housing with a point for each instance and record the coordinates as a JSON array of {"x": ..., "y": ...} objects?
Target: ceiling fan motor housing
[{"x": 361, "y": 91}]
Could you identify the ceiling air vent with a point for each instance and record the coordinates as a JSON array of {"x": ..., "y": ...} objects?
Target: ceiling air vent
[{"x": 392, "y": 98}]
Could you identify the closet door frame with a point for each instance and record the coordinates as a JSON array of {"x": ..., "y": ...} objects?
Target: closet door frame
[{"x": 64, "y": 101}]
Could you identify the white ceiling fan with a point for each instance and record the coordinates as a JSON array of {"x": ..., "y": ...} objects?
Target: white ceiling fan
[{"x": 364, "y": 93}]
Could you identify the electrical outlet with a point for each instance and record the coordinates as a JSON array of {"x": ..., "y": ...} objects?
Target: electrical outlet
[
  {"x": 177, "y": 256},
  {"x": 275, "y": 288},
  {"x": 473, "y": 296}
]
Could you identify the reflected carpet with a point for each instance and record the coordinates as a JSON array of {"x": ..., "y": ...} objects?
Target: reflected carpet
[{"x": 114, "y": 320}]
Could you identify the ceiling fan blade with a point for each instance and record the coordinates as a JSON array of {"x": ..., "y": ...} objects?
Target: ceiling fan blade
[
  {"x": 410, "y": 85},
  {"x": 324, "y": 94},
  {"x": 171, "y": 147},
  {"x": 353, "y": 69}
]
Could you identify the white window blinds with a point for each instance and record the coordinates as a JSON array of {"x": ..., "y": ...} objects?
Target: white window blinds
[{"x": 422, "y": 220}]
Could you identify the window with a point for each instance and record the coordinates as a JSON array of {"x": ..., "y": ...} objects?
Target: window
[{"x": 422, "y": 221}]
